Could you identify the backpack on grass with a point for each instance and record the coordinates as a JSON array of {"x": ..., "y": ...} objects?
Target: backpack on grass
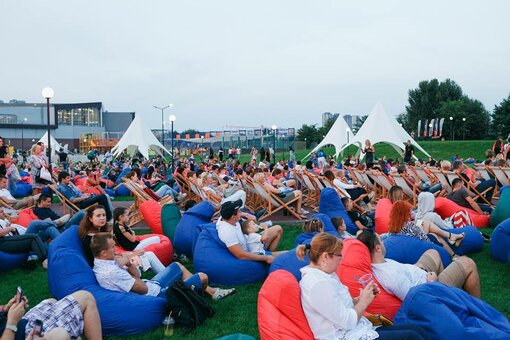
[{"x": 189, "y": 309}]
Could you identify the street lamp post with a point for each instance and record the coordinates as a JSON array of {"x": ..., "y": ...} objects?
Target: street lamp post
[
  {"x": 22, "y": 134},
  {"x": 274, "y": 143},
  {"x": 463, "y": 128},
  {"x": 48, "y": 93},
  {"x": 347, "y": 130},
  {"x": 171, "y": 118},
  {"x": 202, "y": 146},
  {"x": 162, "y": 121},
  {"x": 451, "y": 120}
]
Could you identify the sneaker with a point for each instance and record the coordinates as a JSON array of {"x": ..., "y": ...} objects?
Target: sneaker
[
  {"x": 221, "y": 293},
  {"x": 304, "y": 212},
  {"x": 267, "y": 223},
  {"x": 32, "y": 258}
]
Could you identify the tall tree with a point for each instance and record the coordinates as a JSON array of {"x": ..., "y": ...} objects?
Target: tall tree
[
  {"x": 501, "y": 118},
  {"x": 470, "y": 119},
  {"x": 359, "y": 122},
  {"x": 308, "y": 133},
  {"x": 426, "y": 99}
]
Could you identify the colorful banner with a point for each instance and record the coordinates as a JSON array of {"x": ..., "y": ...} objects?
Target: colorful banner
[
  {"x": 426, "y": 127},
  {"x": 431, "y": 127},
  {"x": 441, "y": 122},
  {"x": 419, "y": 129}
]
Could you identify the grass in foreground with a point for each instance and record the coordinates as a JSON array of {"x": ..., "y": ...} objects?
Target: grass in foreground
[{"x": 238, "y": 313}]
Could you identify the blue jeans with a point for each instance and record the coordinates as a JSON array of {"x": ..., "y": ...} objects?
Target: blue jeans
[
  {"x": 75, "y": 220},
  {"x": 47, "y": 230},
  {"x": 171, "y": 274},
  {"x": 166, "y": 190},
  {"x": 490, "y": 183}
]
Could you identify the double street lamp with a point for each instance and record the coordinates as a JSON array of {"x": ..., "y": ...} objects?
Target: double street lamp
[
  {"x": 48, "y": 93},
  {"x": 163, "y": 121}
]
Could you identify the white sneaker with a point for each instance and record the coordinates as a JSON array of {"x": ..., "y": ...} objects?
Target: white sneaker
[
  {"x": 221, "y": 293},
  {"x": 304, "y": 212},
  {"x": 267, "y": 223}
]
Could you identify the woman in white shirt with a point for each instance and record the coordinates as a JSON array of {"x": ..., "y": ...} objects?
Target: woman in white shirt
[{"x": 328, "y": 306}]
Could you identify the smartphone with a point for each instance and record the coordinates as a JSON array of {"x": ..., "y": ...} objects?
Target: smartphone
[
  {"x": 19, "y": 294},
  {"x": 38, "y": 328}
]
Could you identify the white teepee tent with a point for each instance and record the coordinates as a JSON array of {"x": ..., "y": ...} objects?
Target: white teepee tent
[
  {"x": 138, "y": 137},
  {"x": 381, "y": 128},
  {"x": 339, "y": 135},
  {"x": 55, "y": 146}
]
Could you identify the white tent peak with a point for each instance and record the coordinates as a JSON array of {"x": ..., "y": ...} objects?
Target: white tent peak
[
  {"x": 338, "y": 136},
  {"x": 55, "y": 146},
  {"x": 379, "y": 127},
  {"x": 138, "y": 137}
]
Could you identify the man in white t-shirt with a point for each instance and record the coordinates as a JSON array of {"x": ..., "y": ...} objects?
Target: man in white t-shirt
[
  {"x": 125, "y": 277},
  {"x": 230, "y": 233},
  {"x": 398, "y": 278}
]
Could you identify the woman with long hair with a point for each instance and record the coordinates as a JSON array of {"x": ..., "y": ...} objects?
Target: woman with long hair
[
  {"x": 401, "y": 223},
  {"x": 369, "y": 152},
  {"x": 37, "y": 160},
  {"x": 329, "y": 308},
  {"x": 93, "y": 222}
]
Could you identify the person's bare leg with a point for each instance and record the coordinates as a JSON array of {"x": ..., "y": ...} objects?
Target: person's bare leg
[
  {"x": 299, "y": 195},
  {"x": 274, "y": 234},
  {"x": 472, "y": 283},
  {"x": 205, "y": 284},
  {"x": 429, "y": 227},
  {"x": 438, "y": 263},
  {"x": 91, "y": 320},
  {"x": 57, "y": 334},
  {"x": 185, "y": 272}
]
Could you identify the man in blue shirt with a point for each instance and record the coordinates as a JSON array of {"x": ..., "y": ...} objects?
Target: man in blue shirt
[{"x": 82, "y": 201}]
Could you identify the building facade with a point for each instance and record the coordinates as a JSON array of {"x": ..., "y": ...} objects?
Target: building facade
[{"x": 23, "y": 123}]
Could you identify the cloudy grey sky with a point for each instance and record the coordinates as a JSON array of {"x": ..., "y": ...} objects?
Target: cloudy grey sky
[{"x": 250, "y": 63}]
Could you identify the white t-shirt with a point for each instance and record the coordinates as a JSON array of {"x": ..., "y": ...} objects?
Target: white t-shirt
[
  {"x": 329, "y": 308},
  {"x": 110, "y": 276},
  {"x": 231, "y": 234},
  {"x": 6, "y": 194},
  {"x": 344, "y": 186},
  {"x": 397, "y": 278},
  {"x": 254, "y": 244}
]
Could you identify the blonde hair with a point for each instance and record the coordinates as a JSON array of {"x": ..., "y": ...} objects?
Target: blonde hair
[
  {"x": 320, "y": 244},
  {"x": 446, "y": 165},
  {"x": 259, "y": 176}
]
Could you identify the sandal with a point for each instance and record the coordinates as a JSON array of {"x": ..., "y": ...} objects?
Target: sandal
[{"x": 456, "y": 242}]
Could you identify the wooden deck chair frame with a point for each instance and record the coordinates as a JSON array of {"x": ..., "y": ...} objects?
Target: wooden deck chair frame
[
  {"x": 313, "y": 194},
  {"x": 273, "y": 202},
  {"x": 470, "y": 187},
  {"x": 501, "y": 174},
  {"x": 66, "y": 203},
  {"x": 410, "y": 189},
  {"x": 440, "y": 175},
  {"x": 185, "y": 186}
]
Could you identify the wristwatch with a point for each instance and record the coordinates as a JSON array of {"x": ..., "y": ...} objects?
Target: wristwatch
[{"x": 12, "y": 328}]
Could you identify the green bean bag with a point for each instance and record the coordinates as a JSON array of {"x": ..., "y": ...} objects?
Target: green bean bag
[
  {"x": 502, "y": 210},
  {"x": 170, "y": 216}
]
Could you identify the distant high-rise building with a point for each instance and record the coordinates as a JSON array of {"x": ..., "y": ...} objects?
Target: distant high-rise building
[
  {"x": 351, "y": 120},
  {"x": 328, "y": 115}
]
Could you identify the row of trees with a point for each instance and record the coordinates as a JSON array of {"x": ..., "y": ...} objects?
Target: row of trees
[{"x": 434, "y": 99}]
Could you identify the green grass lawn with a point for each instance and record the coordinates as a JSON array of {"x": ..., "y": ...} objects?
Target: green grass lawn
[{"x": 238, "y": 313}]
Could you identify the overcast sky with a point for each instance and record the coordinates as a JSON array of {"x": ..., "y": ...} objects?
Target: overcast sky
[{"x": 250, "y": 63}]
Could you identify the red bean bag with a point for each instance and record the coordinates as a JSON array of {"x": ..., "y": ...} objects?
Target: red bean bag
[
  {"x": 151, "y": 212},
  {"x": 26, "y": 216},
  {"x": 279, "y": 310},
  {"x": 356, "y": 263},
  {"x": 80, "y": 181},
  {"x": 382, "y": 215},
  {"x": 446, "y": 208},
  {"x": 164, "y": 250}
]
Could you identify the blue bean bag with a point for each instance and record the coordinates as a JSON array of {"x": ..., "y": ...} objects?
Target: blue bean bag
[
  {"x": 121, "y": 313},
  {"x": 212, "y": 257},
  {"x": 201, "y": 213},
  {"x": 11, "y": 261},
  {"x": 407, "y": 249},
  {"x": 500, "y": 242},
  {"x": 22, "y": 189},
  {"x": 472, "y": 242},
  {"x": 122, "y": 191},
  {"x": 450, "y": 313},
  {"x": 331, "y": 205},
  {"x": 23, "y": 173},
  {"x": 290, "y": 262},
  {"x": 110, "y": 192},
  {"x": 328, "y": 225}
]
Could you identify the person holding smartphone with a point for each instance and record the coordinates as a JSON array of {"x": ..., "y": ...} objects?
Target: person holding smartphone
[{"x": 67, "y": 318}]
